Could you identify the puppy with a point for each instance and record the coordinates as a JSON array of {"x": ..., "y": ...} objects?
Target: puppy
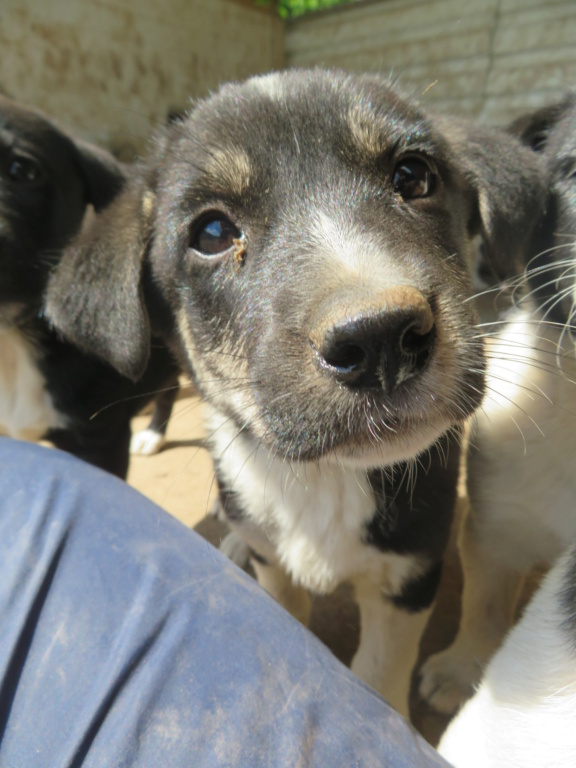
[
  {"x": 523, "y": 713},
  {"x": 48, "y": 181},
  {"x": 521, "y": 478},
  {"x": 308, "y": 260}
]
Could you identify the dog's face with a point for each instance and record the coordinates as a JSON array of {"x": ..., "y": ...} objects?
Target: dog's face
[
  {"x": 310, "y": 239},
  {"x": 317, "y": 254},
  {"x": 551, "y": 132},
  {"x": 46, "y": 181}
]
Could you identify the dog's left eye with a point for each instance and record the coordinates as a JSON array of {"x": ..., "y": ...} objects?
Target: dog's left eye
[
  {"x": 214, "y": 235},
  {"x": 413, "y": 178},
  {"x": 24, "y": 170}
]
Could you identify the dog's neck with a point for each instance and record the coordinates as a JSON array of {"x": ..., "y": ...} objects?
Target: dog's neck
[{"x": 299, "y": 506}]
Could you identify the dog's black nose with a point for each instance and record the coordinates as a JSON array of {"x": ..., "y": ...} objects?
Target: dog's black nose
[{"x": 379, "y": 345}]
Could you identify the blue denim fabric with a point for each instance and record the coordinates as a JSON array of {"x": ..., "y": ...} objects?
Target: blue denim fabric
[{"x": 127, "y": 640}]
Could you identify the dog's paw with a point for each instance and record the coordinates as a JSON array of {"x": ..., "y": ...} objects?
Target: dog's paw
[
  {"x": 447, "y": 679},
  {"x": 235, "y": 549},
  {"x": 146, "y": 443}
]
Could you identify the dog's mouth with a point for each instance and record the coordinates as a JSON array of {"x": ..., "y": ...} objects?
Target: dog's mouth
[{"x": 373, "y": 426}]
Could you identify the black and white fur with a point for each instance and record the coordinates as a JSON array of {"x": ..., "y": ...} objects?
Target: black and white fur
[
  {"x": 523, "y": 711},
  {"x": 521, "y": 478},
  {"x": 522, "y": 715},
  {"x": 49, "y": 181},
  {"x": 308, "y": 259}
]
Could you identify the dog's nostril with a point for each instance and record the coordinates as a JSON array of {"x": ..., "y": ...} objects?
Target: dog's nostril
[
  {"x": 415, "y": 350},
  {"x": 414, "y": 342},
  {"x": 346, "y": 358}
]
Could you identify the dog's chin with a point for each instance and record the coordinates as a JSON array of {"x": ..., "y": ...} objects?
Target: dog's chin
[
  {"x": 363, "y": 450},
  {"x": 386, "y": 452}
]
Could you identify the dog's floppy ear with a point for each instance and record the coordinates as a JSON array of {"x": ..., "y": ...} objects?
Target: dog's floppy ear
[
  {"x": 507, "y": 182},
  {"x": 95, "y": 296},
  {"x": 534, "y": 128}
]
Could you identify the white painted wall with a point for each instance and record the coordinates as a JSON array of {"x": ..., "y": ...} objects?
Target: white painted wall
[
  {"x": 112, "y": 69},
  {"x": 490, "y": 59}
]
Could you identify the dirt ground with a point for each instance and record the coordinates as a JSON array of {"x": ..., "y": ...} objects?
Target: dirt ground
[{"x": 180, "y": 479}]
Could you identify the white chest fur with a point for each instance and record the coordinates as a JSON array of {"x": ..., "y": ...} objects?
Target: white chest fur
[
  {"x": 525, "y": 435},
  {"x": 26, "y": 409},
  {"x": 312, "y": 515}
]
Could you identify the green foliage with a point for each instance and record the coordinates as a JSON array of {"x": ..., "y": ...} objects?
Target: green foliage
[{"x": 290, "y": 8}]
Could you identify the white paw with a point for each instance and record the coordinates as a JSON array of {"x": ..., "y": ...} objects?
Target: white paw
[
  {"x": 447, "y": 679},
  {"x": 235, "y": 549},
  {"x": 146, "y": 443}
]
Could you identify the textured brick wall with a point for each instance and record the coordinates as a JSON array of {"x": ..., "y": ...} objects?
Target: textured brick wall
[{"x": 491, "y": 59}]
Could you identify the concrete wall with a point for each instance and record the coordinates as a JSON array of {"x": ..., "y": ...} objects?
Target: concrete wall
[
  {"x": 113, "y": 69},
  {"x": 491, "y": 59}
]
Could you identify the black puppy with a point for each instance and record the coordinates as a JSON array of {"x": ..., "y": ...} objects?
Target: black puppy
[
  {"x": 47, "y": 387},
  {"x": 302, "y": 241}
]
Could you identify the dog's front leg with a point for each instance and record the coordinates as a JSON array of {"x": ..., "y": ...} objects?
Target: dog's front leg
[
  {"x": 389, "y": 642},
  {"x": 152, "y": 439},
  {"x": 489, "y": 598}
]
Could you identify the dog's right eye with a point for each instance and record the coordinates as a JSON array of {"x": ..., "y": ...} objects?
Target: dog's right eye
[
  {"x": 214, "y": 235},
  {"x": 24, "y": 170},
  {"x": 413, "y": 179}
]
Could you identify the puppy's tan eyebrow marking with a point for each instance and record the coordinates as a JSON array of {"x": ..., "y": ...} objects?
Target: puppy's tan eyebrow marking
[
  {"x": 366, "y": 131},
  {"x": 229, "y": 170}
]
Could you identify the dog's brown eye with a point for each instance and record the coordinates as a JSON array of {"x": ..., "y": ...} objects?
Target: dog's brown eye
[
  {"x": 413, "y": 178},
  {"x": 214, "y": 235},
  {"x": 24, "y": 170},
  {"x": 538, "y": 141}
]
